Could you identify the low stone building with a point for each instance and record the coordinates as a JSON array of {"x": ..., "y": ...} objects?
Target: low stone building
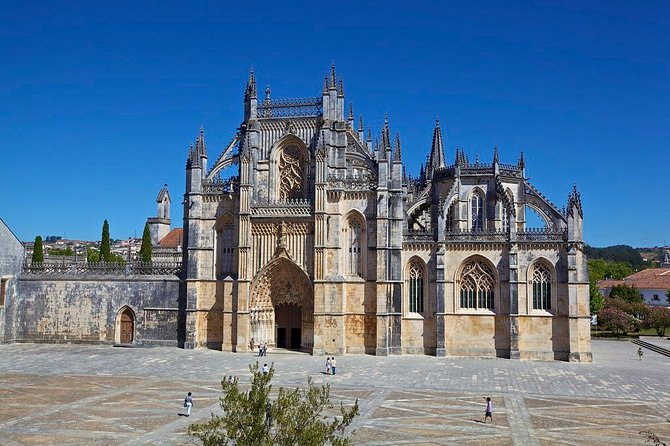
[{"x": 12, "y": 253}]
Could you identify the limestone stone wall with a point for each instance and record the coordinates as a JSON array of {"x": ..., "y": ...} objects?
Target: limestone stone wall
[
  {"x": 79, "y": 310},
  {"x": 11, "y": 259}
]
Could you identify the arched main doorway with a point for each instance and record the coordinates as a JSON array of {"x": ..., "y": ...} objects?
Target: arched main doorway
[
  {"x": 281, "y": 310},
  {"x": 288, "y": 323},
  {"x": 126, "y": 326}
]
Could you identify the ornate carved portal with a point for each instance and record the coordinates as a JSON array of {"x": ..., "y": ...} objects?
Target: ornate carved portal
[{"x": 281, "y": 309}]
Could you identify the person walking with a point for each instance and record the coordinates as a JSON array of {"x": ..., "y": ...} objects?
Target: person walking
[
  {"x": 268, "y": 415},
  {"x": 489, "y": 409},
  {"x": 333, "y": 363},
  {"x": 260, "y": 349},
  {"x": 639, "y": 354},
  {"x": 188, "y": 404},
  {"x": 251, "y": 344},
  {"x": 328, "y": 365}
]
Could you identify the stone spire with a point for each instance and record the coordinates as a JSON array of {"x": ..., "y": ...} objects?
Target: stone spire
[
  {"x": 351, "y": 112},
  {"x": 575, "y": 202},
  {"x": 360, "y": 124},
  {"x": 496, "y": 158},
  {"x": 251, "y": 86},
  {"x": 193, "y": 157},
  {"x": 397, "y": 155},
  {"x": 386, "y": 138},
  {"x": 340, "y": 90},
  {"x": 267, "y": 94},
  {"x": 200, "y": 146},
  {"x": 436, "y": 158},
  {"x": 522, "y": 161},
  {"x": 325, "y": 83},
  {"x": 333, "y": 79}
]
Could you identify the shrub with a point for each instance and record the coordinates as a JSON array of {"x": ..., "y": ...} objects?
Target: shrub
[
  {"x": 297, "y": 416},
  {"x": 616, "y": 320},
  {"x": 658, "y": 318}
]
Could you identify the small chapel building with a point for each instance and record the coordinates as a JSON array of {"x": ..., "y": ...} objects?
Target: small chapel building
[{"x": 306, "y": 234}]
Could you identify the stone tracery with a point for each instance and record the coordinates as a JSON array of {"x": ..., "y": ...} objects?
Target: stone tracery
[
  {"x": 477, "y": 285},
  {"x": 291, "y": 174}
]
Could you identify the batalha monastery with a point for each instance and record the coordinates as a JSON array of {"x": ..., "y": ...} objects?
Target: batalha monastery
[{"x": 307, "y": 234}]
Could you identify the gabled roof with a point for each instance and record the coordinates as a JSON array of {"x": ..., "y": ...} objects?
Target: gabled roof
[
  {"x": 10, "y": 231},
  {"x": 162, "y": 194},
  {"x": 172, "y": 239},
  {"x": 647, "y": 279}
]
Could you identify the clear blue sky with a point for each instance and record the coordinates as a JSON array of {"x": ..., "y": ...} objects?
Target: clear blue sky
[{"x": 99, "y": 100}]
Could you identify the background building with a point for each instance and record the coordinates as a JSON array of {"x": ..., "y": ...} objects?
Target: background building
[{"x": 652, "y": 283}]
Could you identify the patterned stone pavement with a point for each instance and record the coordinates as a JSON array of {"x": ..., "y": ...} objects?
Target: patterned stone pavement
[{"x": 100, "y": 395}]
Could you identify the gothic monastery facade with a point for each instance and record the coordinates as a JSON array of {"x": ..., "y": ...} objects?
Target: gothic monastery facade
[{"x": 306, "y": 234}]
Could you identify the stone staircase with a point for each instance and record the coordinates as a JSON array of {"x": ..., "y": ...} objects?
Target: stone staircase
[{"x": 652, "y": 347}]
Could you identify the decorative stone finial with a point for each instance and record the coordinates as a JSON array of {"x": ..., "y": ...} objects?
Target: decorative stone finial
[
  {"x": 251, "y": 84},
  {"x": 436, "y": 157},
  {"x": 397, "y": 154},
  {"x": 333, "y": 82},
  {"x": 575, "y": 202}
]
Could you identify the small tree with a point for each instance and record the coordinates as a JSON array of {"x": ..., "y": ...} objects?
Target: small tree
[
  {"x": 145, "y": 249},
  {"x": 105, "y": 248},
  {"x": 658, "y": 318},
  {"x": 297, "y": 416},
  {"x": 597, "y": 300},
  {"x": 627, "y": 293},
  {"x": 92, "y": 255},
  {"x": 617, "y": 321},
  {"x": 38, "y": 250}
]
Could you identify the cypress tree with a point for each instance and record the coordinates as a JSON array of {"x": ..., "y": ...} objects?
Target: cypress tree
[
  {"x": 38, "y": 250},
  {"x": 105, "y": 249},
  {"x": 145, "y": 249}
]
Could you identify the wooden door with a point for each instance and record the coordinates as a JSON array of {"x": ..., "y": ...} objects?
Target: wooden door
[{"x": 127, "y": 327}]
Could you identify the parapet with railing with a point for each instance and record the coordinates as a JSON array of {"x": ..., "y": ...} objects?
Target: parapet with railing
[{"x": 137, "y": 268}]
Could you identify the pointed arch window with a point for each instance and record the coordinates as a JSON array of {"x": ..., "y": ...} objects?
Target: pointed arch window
[
  {"x": 450, "y": 223},
  {"x": 415, "y": 277},
  {"x": 225, "y": 246},
  {"x": 505, "y": 218},
  {"x": 541, "y": 287},
  {"x": 354, "y": 248},
  {"x": 292, "y": 174},
  {"x": 477, "y": 211},
  {"x": 477, "y": 286}
]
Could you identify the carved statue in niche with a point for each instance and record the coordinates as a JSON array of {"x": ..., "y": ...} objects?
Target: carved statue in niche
[{"x": 291, "y": 175}]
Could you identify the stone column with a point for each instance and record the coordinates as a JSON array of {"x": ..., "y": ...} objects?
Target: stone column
[{"x": 514, "y": 302}]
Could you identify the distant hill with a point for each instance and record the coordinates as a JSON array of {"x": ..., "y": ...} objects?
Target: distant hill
[{"x": 616, "y": 253}]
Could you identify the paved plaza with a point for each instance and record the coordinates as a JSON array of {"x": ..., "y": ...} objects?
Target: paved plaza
[{"x": 99, "y": 395}]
